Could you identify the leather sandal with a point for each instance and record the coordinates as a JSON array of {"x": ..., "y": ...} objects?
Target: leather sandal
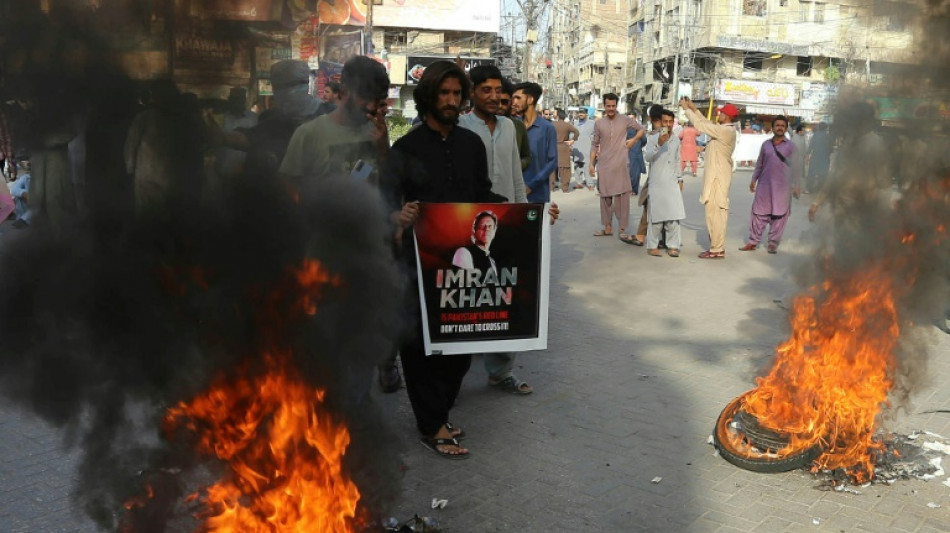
[{"x": 712, "y": 255}]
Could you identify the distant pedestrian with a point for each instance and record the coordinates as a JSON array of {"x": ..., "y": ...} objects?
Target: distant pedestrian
[
  {"x": 610, "y": 160},
  {"x": 638, "y": 166},
  {"x": 774, "y": 184},
  {"x": 581, "y": 149},
  {"x": 567, "y": 134},
  {"x": 689, "y": 149},
  {"x": 718, "y": 174},
  {"x": 818, "y": 158},
  {"x": 665, "y": 209}
]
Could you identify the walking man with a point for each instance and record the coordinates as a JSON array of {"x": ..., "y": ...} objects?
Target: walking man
[
  {"x": 609, "y": 153},
  {"x": 773, "y": 185},
  {"x": 665, "y": 208},
  {"x": 718, "y": 175},
  {"x": 542, "y": 138}
]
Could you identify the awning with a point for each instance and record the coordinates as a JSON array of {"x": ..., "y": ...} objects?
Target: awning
[{"x": 787, "y": 110}]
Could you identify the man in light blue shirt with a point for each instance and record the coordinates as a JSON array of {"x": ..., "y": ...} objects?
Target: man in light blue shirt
[
  {"x": 497, "y": 133},
  {"x": 543, "y": 140}
]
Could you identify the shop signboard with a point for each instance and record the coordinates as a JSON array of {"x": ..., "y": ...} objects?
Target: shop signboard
[
  {"x": 456, "y": 15},
  {"x": 251, "y": 10},
  {"x": 818, "y": 96},
  {"x": 756, "y": 92},
  {"x": 416, "y": 65},
  {"x": 336, "y": 46},
  {"x": 201, "y": 47}
]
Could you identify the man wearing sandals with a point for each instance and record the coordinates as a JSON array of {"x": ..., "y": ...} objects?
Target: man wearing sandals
[
  {"x": 436, "y": 162},
  {"x": 499, "y": 136},
  {"x": 665, "y": 209},
  {"x": 609, "y": 153},
  {"x": 718, "y": 172}
]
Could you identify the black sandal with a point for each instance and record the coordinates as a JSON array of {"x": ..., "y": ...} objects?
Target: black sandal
[
  {"x": 451, "y": 428},
  {"x": 432, "y": 443}
]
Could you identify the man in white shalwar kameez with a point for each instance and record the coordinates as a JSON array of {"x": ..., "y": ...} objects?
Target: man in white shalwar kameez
[{"x": 665, "y": 208}]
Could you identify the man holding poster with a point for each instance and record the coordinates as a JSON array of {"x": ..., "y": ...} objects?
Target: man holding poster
[{"x": 436, "y": 162}]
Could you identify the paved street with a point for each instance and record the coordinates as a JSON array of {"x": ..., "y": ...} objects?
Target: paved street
[{"x": 644, "y": 353}]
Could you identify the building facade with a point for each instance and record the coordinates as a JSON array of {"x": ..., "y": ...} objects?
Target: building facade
[{"x": 772, "y": 56}]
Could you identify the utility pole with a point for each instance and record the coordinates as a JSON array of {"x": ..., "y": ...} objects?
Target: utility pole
[
  {"x": 368, "y": 26},
  {"x": 531, "y": 10}
]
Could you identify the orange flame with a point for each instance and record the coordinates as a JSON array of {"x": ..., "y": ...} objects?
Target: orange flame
[
  {"x": 283, "y": 447},
  {"x": 284, "y": 451},
  {"x": 831, "y": 378}
]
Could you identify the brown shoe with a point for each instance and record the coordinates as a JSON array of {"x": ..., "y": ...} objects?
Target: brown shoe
[
  {"x": 749, "y": 247},
  {"x": 712, "y": 255},
  {"x": 654, "y": 252},
  {"x": 673, "y": 252}
]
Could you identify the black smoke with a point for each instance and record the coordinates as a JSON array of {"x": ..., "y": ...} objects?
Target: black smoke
[{"x": 108, "y": 320}]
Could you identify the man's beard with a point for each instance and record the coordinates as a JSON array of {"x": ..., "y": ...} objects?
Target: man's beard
[
  {"x": 447, "y": 118},
  {"x": 355, "y": 114}
]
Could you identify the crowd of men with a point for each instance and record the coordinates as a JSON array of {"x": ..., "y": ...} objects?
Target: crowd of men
[{"x": 505, "y": 150}]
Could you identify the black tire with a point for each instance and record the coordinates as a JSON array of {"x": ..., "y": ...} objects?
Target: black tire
[{"x": 768, "y": 463}]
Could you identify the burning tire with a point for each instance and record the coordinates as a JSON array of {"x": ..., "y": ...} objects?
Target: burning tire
[{"x": 741, "y": 441}]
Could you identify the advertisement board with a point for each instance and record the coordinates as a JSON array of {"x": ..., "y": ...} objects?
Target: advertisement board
[
  {"x": 483, "y": 272},
  {"x": 756, "y": 92},
  {"x": 416, "y": 65},
  {"x": 458, "y": 15}
]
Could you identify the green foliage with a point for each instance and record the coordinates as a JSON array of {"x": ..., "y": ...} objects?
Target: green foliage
[
  {"x": 398, "y": 126},
  {"x": 832, "y": 74}
]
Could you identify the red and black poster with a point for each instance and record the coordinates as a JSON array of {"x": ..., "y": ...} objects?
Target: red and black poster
[{"x": 483, "y": 277}]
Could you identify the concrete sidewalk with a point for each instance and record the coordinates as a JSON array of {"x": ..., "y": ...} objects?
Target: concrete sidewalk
[{"x": 644, "y": 353}]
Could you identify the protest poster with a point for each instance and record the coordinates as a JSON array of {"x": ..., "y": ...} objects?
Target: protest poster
[{"x": 483, "y": 273}]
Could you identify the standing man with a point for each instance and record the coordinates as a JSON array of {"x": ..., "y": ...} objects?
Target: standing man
[
  {"x": 564, "y": 131},
  {"x": 819, "y": 158},
  {"x": 773, "y": 185},
  {"x": 542, "y": 138},
  {"x": 638, "y": 166},
  {"x": 689, "y": 149},
  {"x": 609, "y": 148},
  {"x": 352, "y": 139},
  {"x": 581, "y": 148},
  {"x": 665, "y": 208},
  {"x": 228, "y": 162},
  {"x": 504, "y": 109},
  {"x": 497, "y": 133},
  {"x": 436, "y": 162},
  {"x": 331, "y": 95},
  {"x": 504, "y": 168},
  {"x": 800, "y": 140},
  {"x": 718, "y": 175}
]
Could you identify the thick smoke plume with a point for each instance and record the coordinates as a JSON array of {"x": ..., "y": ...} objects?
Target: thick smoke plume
[
  {"x": 111, "y": 318},
  {"x": 887, "y": 198}
]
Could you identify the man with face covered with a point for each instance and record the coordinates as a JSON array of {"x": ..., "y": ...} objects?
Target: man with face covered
[{"x": 352, "y": 139}]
